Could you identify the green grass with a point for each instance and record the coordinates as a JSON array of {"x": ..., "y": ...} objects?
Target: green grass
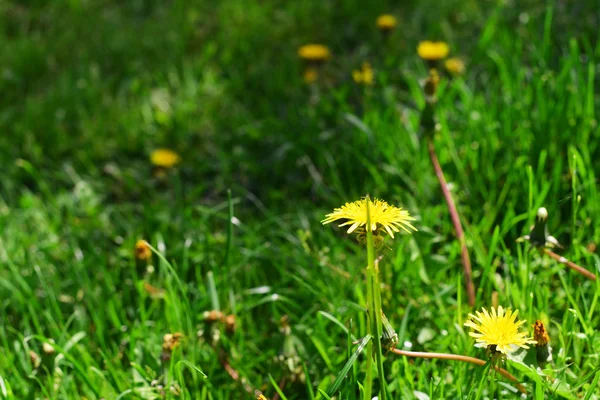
[{"x": 90, "y": 88}]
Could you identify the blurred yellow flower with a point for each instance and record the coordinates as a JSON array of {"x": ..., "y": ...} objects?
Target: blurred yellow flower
[
  {"x": 164, "y": 158},
  {"x": 433, "y": 51},
  {"x": 310, "y": 75},
  {"x": 142, "y": 251},
  {"x": 498, "y": 331},
  {"x": 314, "y": 52},
  {"x": 364, "y": 74},
  {"x": 386, "y": 22},
  {"x": 455, "y": 66},
  {"x": 389, "y": 217}
]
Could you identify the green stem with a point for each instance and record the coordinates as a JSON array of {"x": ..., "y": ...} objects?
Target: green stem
[
  {"x": 368, "y": 385},
  {"x": 374, "y": 304}
]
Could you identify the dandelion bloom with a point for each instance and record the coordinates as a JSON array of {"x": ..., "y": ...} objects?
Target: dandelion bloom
[
  {"x": 389, "y": 217},
  {"x": 364, "y": 74},
  {"x": 433, "y": 51},
  {"x": 386, "y": 22},
  {"x": 498, "y": 331},
  {"x": 164, "y": 158},
  {"x": 314, "y": 52},
  {"x": 310, "y": 75},
  {"x": 142, "y": 250},
  {"x": 540, "y": 334},
  {"x": 455, "y": 66}
]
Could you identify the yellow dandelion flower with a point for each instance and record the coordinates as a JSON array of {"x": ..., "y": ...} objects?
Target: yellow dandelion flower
[
  {"x": 540, "y": 334},
  {"x": 433, "y": 51},
  {"x": 142, "y": 251},
  {"x": 389, "y": 217},
  {"x": 314, "y": 52},
  {"x": 498, "y": 331},
  {"x": 364, "y": 74},
  {"x": 386, "y": 22},
  {"x": 455, "y": 66},
  {"x": 310, "y": 75},
  {"x": 261, "y": 397},
  {"x": 164, "y": 158}
]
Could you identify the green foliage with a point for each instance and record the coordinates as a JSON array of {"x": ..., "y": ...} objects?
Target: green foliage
[{"x": 90, "y": 88}]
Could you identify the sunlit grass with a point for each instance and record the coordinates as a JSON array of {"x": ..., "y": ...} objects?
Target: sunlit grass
[{"x": 223, "y": 87}]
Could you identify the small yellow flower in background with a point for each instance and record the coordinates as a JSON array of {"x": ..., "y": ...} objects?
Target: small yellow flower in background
[
  {"x": 389, "y": 217},
  {"x": 386, "y": 22},
  {"x": 261, "y": 397},
  {"x": 540, "y": 335},
  {"x": 498, "y": 331},
  {"x": 310, "y": 75},
  {"x": 164, "y": 158},
  {"x": 363, "y": 75},
  {"x": 142, "y": 251},
  {"x": 314, "y": 52},
  {"x": 433, "y": 51},
  {"x": 455, "y": 66}
]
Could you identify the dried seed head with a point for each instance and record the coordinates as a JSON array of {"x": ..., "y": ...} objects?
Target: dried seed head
[
  {"x": 171, "y": 341},
  {"x": 212, "y": 316}
]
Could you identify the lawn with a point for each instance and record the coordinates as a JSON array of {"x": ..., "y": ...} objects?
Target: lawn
[{"x": 215, "y": 278}]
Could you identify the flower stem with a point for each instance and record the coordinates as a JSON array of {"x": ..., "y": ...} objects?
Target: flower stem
[
  {"x": 466, "y": 261},
  {"x": 456, "y": 357},
  {"x": 570, "y": 264},
  {"x": 374, "y": 305}
]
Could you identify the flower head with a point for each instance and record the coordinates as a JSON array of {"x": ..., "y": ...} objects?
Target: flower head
[
  {"x": 164, "y": 158},
  {"x": 310, "y": 75},
  {"x": 455, "y": 66},
  {"x": 363, "y": 75},
  {"x": 498, "y": 331},
  {"x": 171, "y": 341},
  {"x": 391, "y": 218},
  {"x": 540, "y": 334},
  {"x": 142, "y": 250},
  {"x": 433, "y": 51},
  {"x": 314, "y": 52},
  {"x": 386, "y": 22}
]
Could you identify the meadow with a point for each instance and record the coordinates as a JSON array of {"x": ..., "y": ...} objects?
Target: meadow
[{"x": 206, "y": 272}]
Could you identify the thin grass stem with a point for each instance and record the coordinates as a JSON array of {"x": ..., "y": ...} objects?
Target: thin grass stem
[
  {"x": 456, "y": 357},
  {"x": 466, "y": 260}
]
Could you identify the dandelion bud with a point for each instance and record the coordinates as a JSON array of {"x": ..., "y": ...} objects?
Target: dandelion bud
[
  {"x": 432, "y": 83},
  {"x": 542, "y": 347},
  {"x": 212, "y": 316},
  {"x": 48, "y": 348},
  {"x": 35, "y": 358},
  {"x": 142, "y": 250},
  {"x": 539, "y": 233},
  {"x": 229, "y": 321},
  {"x": 542, "y": 214}
]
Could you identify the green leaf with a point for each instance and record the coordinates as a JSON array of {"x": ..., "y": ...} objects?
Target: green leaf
[{"x": 342, "y": 374}]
